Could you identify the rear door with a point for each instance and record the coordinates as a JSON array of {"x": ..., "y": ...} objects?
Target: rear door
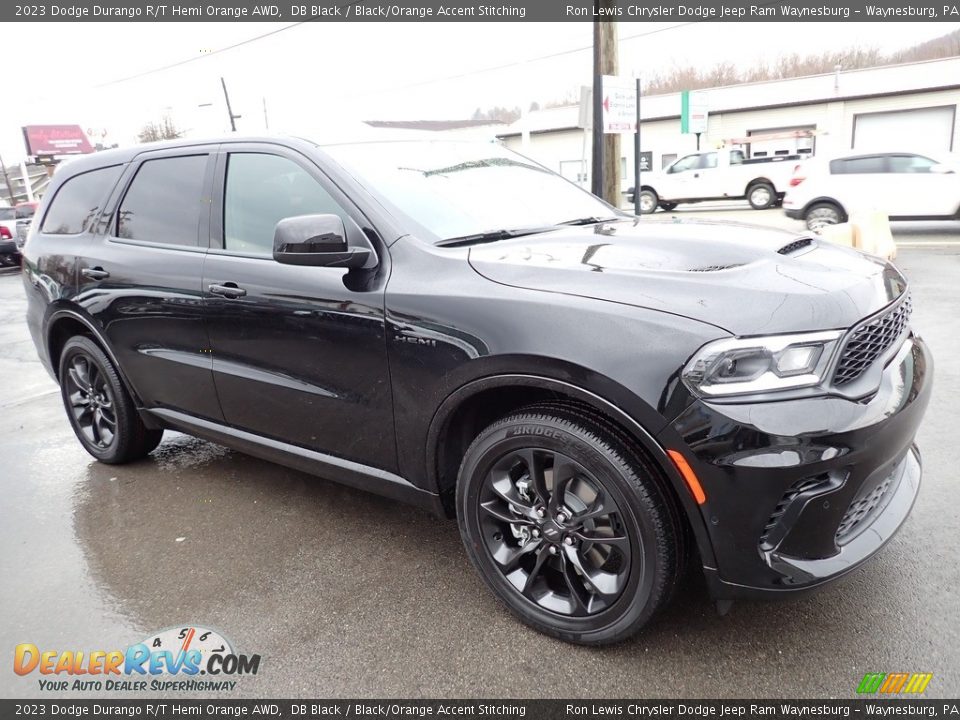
[
  {"x": 140, "y": 276},
  {"x": 299, "y": 353}
]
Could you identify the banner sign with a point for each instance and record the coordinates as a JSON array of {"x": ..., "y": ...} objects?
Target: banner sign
[
  {"x": 305, "y": 709},
  {"x": 56, "y": 140},
  {"x": 693, "y": 112},
  {"x": 478, "y": 11},
  {"x": 619, "y": 104}
]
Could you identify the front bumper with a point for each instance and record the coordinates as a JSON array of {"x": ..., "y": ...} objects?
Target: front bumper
[{"x": 801, "y": 491}]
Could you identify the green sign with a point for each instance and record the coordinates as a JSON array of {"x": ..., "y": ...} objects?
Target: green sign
[{"x": 693, "y": 112}]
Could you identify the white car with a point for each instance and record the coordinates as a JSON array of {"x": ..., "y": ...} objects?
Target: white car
[{"x": 903, "y": 185}]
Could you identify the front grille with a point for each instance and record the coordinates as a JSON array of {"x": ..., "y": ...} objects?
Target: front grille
[
  {"x": 861, "y": 511},
  {"x": 870, "y": 340}
]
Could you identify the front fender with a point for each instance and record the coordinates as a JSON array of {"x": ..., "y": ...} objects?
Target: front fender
[{"x": 639, "y": 430}]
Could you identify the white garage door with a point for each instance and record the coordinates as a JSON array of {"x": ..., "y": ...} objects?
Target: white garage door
[{"x": 925, "y": 129}]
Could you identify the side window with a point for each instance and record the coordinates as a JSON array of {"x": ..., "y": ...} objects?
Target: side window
[
  {"x": 708, "y": 161},
  {"x": 263, "y": 189},
  {"x": 736, "y": 157},
  {"x": 78, "y": 201},
  {"x": 685, "y": 163},
  {"x": 163, "y": 203},
  {"x": 910, "y": 164},
  {"x": 859, "y": 166}
]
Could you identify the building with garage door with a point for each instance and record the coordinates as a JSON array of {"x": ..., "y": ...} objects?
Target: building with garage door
[{"x": 909, "y": 106}]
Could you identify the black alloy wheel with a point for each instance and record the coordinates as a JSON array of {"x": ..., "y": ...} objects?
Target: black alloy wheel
[
  {"x": 99, "y": 407},
  {"x": 556, "y": 534},
  {"x": 564, "y": 521},
  {"x": 91, "y": 401}
]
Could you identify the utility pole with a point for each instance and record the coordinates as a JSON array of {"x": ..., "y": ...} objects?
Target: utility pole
[
  {"x": 606, "y": 146},
  {"x": 596, "y": 163},
  {"x": 6, "y": 179},
  {"x": 636, "y": 157},
  {"x": 266, "y": 121},
  {"x": 226, "y": 96}
]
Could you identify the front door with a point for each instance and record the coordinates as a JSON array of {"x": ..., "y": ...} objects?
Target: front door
[
  {"x": 919, "y": 190},
  {"x": 299, "y": 353}
]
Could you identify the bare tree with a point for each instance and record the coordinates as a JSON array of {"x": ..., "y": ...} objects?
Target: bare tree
[
  {"x": 690, "y": 77},
  {"x": 497, "y": 114},
  {"x": 165, "y": 129}
]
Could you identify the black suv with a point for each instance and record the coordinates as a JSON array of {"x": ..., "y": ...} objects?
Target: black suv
[{"x": 598, "y": 400}]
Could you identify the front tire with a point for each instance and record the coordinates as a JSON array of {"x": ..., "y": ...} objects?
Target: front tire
[
  {"x": 821, "y": 215},
  {"x": 568, "y": 525},
  {"x": 98, "y": 406},
  {"x": 648, "y": 202}
]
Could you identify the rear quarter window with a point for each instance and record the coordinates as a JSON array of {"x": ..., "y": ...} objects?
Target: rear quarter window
[{"x": 78, "y": 201}]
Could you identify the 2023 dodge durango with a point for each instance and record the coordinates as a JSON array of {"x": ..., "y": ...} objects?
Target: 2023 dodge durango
[{"x": 599, "y": 400}]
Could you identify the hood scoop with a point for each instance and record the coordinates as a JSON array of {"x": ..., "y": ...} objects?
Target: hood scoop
[{"x": 792, "y": 247}]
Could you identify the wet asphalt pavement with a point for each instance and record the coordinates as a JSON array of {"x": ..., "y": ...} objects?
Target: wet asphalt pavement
[{"x": 345, "y": 594}]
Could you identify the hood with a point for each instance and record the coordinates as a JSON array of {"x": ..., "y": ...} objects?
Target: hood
[{"x": 744, "y": 279}]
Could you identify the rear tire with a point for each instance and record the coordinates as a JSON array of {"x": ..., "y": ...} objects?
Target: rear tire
[
  {"x": 99, "y": 407},
  {"x": 761, "y": 196},
  {"x": 553, "y": 570}
]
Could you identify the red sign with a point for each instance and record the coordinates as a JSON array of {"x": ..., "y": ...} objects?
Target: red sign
[{"x": 56, "y": 140}]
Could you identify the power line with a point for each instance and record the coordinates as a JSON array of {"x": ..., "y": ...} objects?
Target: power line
[
  {"x": 518, "y": 63},
  {"x": 180, "y": 63},
  {"x": 479, "y": 71},
  {"x": 163, "y": 68}
]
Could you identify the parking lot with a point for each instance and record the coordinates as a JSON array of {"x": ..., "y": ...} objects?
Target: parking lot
[{"x": 346, "y": 594}]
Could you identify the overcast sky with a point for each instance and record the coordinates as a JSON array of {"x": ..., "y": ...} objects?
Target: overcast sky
[{"x": 74, "y": 72}]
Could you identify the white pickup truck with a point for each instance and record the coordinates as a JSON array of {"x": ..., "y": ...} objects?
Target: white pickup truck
[{"x": 717, "y": 175}]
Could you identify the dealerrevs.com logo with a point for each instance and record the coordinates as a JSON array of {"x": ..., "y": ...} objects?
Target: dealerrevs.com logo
[{"x": 170, "y": 660}]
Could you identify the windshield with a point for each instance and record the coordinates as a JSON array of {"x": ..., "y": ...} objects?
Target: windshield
[
  {"x": 25, "y": 211},
  {"x": 7, "y": 213},
  {"x": 457, "y": 189}
]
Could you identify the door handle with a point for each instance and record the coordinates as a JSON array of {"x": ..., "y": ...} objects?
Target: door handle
[
  {"x": 95, "y": 273},
  {"x": 228, "y": 290}
]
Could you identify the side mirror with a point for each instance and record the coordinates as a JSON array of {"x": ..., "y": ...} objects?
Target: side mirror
[{"x": 319, "y": 240}]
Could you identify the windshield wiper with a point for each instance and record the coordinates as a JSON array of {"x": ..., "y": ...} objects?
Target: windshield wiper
[
  {"x": 491, "y": 236},
  {"x": 592, "y": 220}
]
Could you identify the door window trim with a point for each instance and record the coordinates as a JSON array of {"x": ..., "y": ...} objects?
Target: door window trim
[
  {"x": 308, "y": 165},
  {"x": 107, "y": 225}
]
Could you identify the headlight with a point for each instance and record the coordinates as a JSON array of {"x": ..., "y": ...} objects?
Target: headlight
[{"x": 739, "y": 366}]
